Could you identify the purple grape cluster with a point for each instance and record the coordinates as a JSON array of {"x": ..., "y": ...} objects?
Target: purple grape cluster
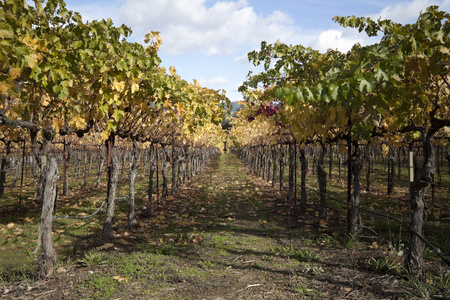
[{"x": 268, "y": 109}]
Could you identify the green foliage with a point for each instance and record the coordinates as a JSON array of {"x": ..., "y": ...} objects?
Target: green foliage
[
  {"x": 302, "y": 255},
  {"x": 16, "y": 265},
  {"x": 210, "y": 265},
  {"x": 305, "y": 290},
  {"x": 312, "y": 269},
  {"x": 104, "y": 287},
  {"x": 92, "y": 259},
  {"x": 350, "y": 241},
  {"x": 385, "y": 264}
]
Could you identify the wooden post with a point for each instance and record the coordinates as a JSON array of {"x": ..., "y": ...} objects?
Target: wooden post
[
  {"x": 330, "y": 163},
  {"x": 64, "y": 167},
  {"x": 132, "y": 221},
  {"x": 349, "y": 184},
  {"x": 411, "y": 171},
  {"x": 84, "y": 166},
  {"x": 21, "y": 175},
  {"x": 295, "y": 176},
  {"x": 157, "y": 175}
]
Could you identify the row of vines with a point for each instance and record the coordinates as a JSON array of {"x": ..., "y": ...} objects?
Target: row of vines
[
  {"x": 391, "y": 95},
  {"x": 66, "y": 83},
  {"x": 81, "y": 166}
]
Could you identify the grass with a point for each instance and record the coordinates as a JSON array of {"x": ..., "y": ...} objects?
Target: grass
[
  {"x": 17, "y": 265},
  {"x": 302, "y": 255},
  {"x": 103, "y": 287},
  {"x": 92, "y": 259}
]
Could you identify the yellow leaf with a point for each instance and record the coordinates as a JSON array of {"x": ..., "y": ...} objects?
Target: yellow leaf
[
  {"x": 134, "y": 88},
  {"x": 118, "y": 86},
  {"x": 31, "y": 60},
  {"x": 104, "y": 136},
  {"x": 14, "y": 73},
  {"x": 4, "y": 87},
  {"x": 45, "y": 100},
  {"x": 78, "y": 122},
  {"x": 168, "y": 104},
  {"x": 385, "y": 149},
  {"x": 173, "y": 70},
  {"x": 153, "y": 38},
  {"x": 196, "y": 83},
  {"x": 120, "y": 279},
  {"x": 57, "y": 124},
  {"x": 10, "y": 225}
]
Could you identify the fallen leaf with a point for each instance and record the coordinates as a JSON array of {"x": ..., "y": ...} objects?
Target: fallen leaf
[{"x": 120, "y": 279}]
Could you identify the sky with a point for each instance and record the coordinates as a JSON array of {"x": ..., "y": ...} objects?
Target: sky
[{"x": 208, "y": 40}]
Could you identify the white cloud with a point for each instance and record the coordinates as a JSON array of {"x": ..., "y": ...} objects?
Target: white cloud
[
  {"x": 341, "y": 39},
  {"x": 189, "y": 26},
  {"x": 243, "y": 59},
  {"x": 95, "y": 12},
  {"x": 213, "y": 83},
  {"x": 408, "y": 12}
]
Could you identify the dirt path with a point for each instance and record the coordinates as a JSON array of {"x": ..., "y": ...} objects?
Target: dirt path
[{"x": 226, "y": 235}]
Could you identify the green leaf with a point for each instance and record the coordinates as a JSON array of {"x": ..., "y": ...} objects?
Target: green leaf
[
  {"x": 289, "y": 99},
  {"x": 380, "y": 75},
  {"x": 118, "y": 114},
  {"x": 6, "y": 31},
  {"x": 104, "y": 109},
  {"x": 77, "y": 44},
  {"x": 31, "y": 60},
  {"x": 440, "y": 36},
  {"x": 365, "y": 85},
  {"x": 121, "y": 66},
  {"x": 298, "y": 95},
  {"x": 35, "y": 73},
  {"x": 334, "y": 91},
  {"x": 111, "y": 127}
]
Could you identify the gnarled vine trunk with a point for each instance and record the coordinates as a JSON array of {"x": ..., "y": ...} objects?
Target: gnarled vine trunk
[
  {"x": 422, "y": 180},
  {"x": 355, "y": 164},
  {"x": 152, "y": 169},
  {"x": 304, "y": 171},
  {"x": 113, "y": 174},
  {"x": 166, "y": 165},
  {"x": 291, "y": 171},
  {"x": 5, "y": 165},
  {"x": 322, "y": 179},
  {"x": 47, "y": 257}
]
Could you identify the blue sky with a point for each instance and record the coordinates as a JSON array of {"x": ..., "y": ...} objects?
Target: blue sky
[{"x": 208, "y": 40}]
